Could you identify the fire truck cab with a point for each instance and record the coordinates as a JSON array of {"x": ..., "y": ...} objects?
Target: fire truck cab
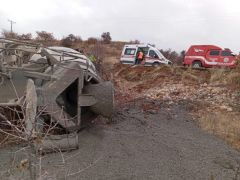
[
  {"x": 209, "y": 56},
  {"x": 152, "y": 56}
]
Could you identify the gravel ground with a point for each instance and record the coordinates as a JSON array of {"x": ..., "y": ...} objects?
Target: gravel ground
[{"x": 164, "y": 144}]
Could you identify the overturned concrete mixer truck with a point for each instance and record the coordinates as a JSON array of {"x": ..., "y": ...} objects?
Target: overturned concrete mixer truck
[{"x": 50, "y": 85}]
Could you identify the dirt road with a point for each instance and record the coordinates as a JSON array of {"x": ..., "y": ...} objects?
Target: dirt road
[{"x": 163, "y": 144}]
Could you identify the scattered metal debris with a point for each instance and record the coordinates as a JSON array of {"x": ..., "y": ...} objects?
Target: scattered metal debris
[{"x": 51, "y": 85}]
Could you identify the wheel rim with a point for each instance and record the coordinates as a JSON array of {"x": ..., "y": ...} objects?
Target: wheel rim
[
  {"x": 155, "y": 64},
  {"x": 196, "y": 65}
]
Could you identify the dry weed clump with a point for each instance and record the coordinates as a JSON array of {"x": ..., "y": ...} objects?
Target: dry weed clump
[
  {"x": 111, "y": 51},
  {"x": 224, "y": 77},
  {"x": 218, "y": 76},
  {"x": 164, "y": 69},
  {"x": 177, "y": 70},
  {"x": 189, "y": 78},
  {"x": 234, "y": 79},
  {"x": 195, "y": 76},
  {"x": 223, "y": 124}
]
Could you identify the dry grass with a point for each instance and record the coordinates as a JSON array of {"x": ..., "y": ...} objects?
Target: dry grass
[
  {"x": 234, "y": 79},
  {"x": 223, "y": 77},
  {"x": 223, "y": 124},
  {"x": 188, "y": 77},
  {"x": 193, "y": 76},
  {"x": 218, "y": 76}
]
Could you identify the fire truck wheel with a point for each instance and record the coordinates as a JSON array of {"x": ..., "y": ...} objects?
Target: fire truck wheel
[
  {"x": 156, "y": 64},
  {"x": 196, "y": 64}
]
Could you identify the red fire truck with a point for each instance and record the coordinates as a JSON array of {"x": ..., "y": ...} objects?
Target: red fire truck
[{"x": 209, "y": 56}]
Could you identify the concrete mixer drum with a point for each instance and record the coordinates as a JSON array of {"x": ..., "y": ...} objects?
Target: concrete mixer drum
[{"x": 56, "y": 84}]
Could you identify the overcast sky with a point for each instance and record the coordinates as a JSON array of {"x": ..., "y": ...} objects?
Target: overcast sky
[{"x": 174, "y": 24}]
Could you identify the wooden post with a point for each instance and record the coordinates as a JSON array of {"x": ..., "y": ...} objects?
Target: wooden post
[{"x": 31, "y": 109}]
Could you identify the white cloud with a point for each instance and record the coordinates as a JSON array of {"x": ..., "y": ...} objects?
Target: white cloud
[
  {"x": 172, "y": 24},
  {"x": 24, "y": 10}
]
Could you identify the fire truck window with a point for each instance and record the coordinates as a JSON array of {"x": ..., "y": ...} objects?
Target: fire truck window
[
  {"x": 130, "y": 51},
  {"x": 226, "y": 53},
  {"x": 214, "y": 53},
  {"x": 153, "y": 54}
]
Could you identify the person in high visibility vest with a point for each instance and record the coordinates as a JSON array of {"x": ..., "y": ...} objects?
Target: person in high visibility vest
[{"x": 140, "y": 57}]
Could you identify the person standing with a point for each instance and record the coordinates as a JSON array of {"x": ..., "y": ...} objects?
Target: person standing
[{"x": 140, "y": 57}]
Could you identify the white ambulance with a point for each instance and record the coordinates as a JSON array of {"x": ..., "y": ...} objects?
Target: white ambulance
[{"x": 153, "y": 57}]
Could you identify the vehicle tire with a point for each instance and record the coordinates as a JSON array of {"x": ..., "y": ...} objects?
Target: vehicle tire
[
  {"x": 156, "y": 64},
  {"x": 196, "y": 64}
]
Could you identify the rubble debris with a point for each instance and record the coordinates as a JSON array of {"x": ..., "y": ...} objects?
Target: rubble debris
[
  {"x": 51, "y": 85},
  {"x": 57, "y": 143}
]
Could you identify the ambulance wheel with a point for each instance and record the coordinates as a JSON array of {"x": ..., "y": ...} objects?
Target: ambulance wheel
[
  {"x": 156, "y": 64},
  {"x": 196, "y": 64}
]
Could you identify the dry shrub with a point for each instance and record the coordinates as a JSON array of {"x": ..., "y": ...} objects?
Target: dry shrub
[
  {"x": 189, "y": 78},
  {"x": 234, "y": 79},
  {"x": 177, "y": 70},
  {"x": 224, "y": 125},
  {"x": 225, "y": 77},
  {"x": 115, "y": 53},
  {"x": 118, "y": 45},
  {"x": 163, "y": 69},
  {"x": 134, "y": 76},
  {"x": 217, "y": 76},
  {"x": 43, "y": 36},
  {"x": 238, "y": 64},
  {"x": 112, "y": 52},
  {"x": 71, "y": 40},
  {"x": 106, "y": 37},
  {"x": 92, "y": 41},
  {"x": 196, "y": 76}
]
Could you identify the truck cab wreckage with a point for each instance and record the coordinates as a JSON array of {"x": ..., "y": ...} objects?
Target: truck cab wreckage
[{"x": 53, "y": 87}]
